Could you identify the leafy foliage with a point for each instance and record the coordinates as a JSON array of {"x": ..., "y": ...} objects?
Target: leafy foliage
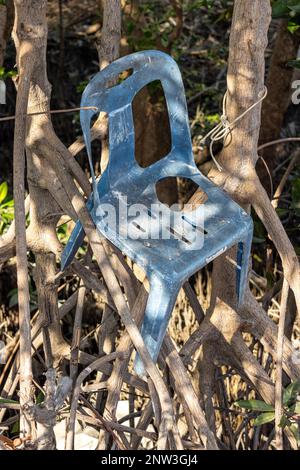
[
  {"x": 294, "y": 63},
  {"x": 286, "y": 8},
  {"x": 296, "y": 194},
  {"x": 8, "y": 401},
  {"x": 255, "y": 405},
  {"x": 6, "y": 207},
  {"x": 289, "y": 9},
  {"x": 291, "y": 409},
  {"x": 4, "y": 73}
]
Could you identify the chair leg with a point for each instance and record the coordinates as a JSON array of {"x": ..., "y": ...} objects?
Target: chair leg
[
  {"x": 76, "y": 239},
  {"x": 161, "y": 300},
  {"x": 74, "y": 243},
  {"x": 243, "y": 256}
]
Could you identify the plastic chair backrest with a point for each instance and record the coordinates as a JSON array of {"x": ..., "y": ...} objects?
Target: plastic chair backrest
[{"x": 116, "y": 101}]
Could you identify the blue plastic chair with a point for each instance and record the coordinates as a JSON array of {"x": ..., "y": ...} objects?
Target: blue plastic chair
[{"x": 168, "y": 261}]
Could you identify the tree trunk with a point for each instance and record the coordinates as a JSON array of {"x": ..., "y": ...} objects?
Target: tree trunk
[
  {"x": 274, "y": 107},
  {"x": 24, "y": 16}
]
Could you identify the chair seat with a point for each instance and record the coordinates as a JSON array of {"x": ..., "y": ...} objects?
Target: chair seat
[{"x": 203, "y": 234}]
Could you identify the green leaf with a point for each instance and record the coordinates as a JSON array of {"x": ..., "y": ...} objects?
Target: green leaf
[
  {"x": 295, "y": 408},
  {"x": 291, "y": 392},
  {"x": 284, "y": 422},
  {"x": 293, "y": 26},
  {"x": 296, "y": 194},
  {"x": 16, "y": 428},
  {"x": 7, "y": 73},
  {"x": 294, "y": 5},
  {"x": 295, "y": 430},
  {"x": 9, "y": 203},
  {"x": 40, "y": 398},
  {"x": 280, "y": 9},
  {"x": 81, "y": 86},
  {"x": 285, "y": 8},
  {"x": 294, "y": 63},
  {"x": 13, "y": 298},
  {"x": 3, "y": 191},
  {"x": 7, "y": 401},
  {"x": 264, "y": 418},
  {"x": 255, "y": 405}
]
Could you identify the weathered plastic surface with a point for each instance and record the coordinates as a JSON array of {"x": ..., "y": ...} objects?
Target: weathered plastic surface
[{"x": 168, "y": 263}]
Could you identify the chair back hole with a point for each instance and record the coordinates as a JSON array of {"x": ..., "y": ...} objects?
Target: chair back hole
[
  {"x": 189, "y": 195},
  {"x": 152, "y": 140},
  {"x": 118, "y": 79}
]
